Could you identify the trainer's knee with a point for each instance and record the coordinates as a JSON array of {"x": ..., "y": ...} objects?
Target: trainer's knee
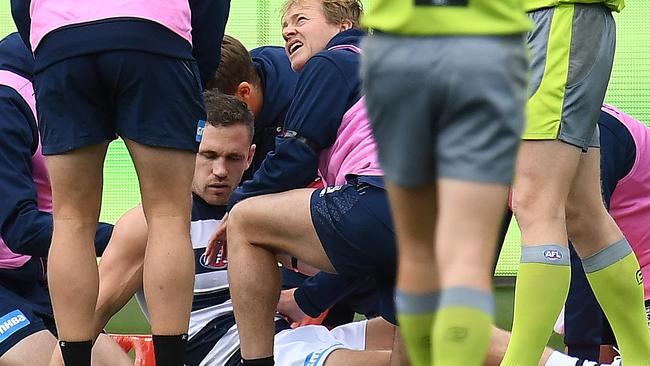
[{"x": 530, "y": 207}]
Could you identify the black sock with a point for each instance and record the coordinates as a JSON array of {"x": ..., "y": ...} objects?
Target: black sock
[
  {"x": 266, "y": 361},
  {"x": 169, "y": 349},
  {"x": 76, "y": 353}
]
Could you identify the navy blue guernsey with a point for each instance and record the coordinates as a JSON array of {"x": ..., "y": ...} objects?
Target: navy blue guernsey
[
  {"x": 617, "y": 151},
  {"x": 24, "y": 228},
  {"x": 328, "y": 86},
  {"x": 208, "y": 26},
  {"x": 278, "y": 87}
]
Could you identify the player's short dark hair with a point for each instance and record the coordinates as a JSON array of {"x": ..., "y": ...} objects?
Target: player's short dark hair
[
  {"x": 225, "y": 110},
  {"x": 236, "y": 66}
]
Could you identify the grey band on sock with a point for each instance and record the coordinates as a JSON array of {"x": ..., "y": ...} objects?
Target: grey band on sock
[
  {"x": 546, "y": 254},
  {"x": 607, "y": 256},
  {"x": 409, "y": 303},
  {"x": 467, "y": 297}
]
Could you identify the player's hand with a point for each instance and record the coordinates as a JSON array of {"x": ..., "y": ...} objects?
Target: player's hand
[
  {"x": 288, "y": 307},
  {"x": 217, "y": 243}
]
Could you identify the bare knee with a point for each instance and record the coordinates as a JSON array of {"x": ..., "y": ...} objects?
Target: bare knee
[
  {"x": 531, "y": 207},
  {"x": 239, "y": 219}
]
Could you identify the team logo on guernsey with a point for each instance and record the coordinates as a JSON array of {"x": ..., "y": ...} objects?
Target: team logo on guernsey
[
  {"x": 218, "y": 263},
  {"x": 12, "y": 322},
  {"x": 200, "y": 127},
  {"x": 552, "y": 254}
]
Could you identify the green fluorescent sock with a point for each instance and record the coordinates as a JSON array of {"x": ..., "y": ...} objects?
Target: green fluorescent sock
[
  {"x": 616, "y": 280},
  {"x": 415, "y": 314},
  {"x": 541, "y": 290},
  {"x": 463, "y": 324}
]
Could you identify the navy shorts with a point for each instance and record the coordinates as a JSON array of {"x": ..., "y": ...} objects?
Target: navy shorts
[
  {"x": 354, "y": 225},
  {"x": 151, "y": 99},
  {"x": 23, "y": 312}
]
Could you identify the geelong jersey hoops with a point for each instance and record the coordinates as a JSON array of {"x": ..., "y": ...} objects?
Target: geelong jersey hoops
[{"x": 213, "y": 337}]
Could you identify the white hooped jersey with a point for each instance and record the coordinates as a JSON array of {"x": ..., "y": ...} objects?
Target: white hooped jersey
[{"x": 213, "y": 337}]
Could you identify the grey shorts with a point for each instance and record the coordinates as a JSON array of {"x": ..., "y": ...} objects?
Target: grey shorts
[
  {"x": 446, "y": 106},
  {"x": 572, "y": 52}
]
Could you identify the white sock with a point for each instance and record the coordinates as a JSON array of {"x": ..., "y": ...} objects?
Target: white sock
[{"x": 560, "y": 359}]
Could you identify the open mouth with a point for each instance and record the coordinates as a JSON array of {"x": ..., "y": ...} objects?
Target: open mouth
[{"x": 293, "y": 46}]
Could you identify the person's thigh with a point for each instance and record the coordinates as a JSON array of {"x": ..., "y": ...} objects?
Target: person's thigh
[
  {"x": 355, "y": 228},
  {"x": 282, "y": 223},
  {"x": 35, "y": 349},
  {"x": 24, "y": 336}
]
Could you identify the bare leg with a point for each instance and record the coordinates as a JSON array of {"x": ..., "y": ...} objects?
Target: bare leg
[
  {"x": 465, "y": 254},
  {"x": 414, "y": 214},
  {"x": 35, "y": 349},
  {"x": 345, "y": 357},
  {"x": 589, "y": 225},
  {"x": 611, "y": 267},
  {"x": 258, "y": 228},
  {"x": 76, "y": 179},
  {"x": 544, "y": 172},
  {"x": 165, "y": 184},
  {"x": 120, "y": 269},
  {"x": 499, "y": 344}
]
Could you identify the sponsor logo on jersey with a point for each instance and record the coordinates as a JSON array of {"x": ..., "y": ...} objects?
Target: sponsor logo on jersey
[
  {"x": 552, "y": 254},
  {"x": 12, "y": 322}
]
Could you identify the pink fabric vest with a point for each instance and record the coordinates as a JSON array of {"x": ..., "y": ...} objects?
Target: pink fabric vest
[
  {"x": 355, "y": 150},
  {"x": 630, "y": 202},
  {"x": 22, "y": 86},
  {"x": 48, "y": 15}
]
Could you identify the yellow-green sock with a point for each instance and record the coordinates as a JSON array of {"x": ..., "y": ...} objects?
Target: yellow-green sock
[
  {"x": 461, "y": 334},
  {"x": 541, "y": 289},
  {"x": 415, "y": 314},
  {"x": 616, "y": 280}
]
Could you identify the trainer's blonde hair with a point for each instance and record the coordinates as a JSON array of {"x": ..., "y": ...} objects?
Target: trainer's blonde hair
[{"x": 335, "y": 11}]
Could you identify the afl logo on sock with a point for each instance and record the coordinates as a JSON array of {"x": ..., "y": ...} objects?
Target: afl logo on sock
[{"x": 552, "y": 254}]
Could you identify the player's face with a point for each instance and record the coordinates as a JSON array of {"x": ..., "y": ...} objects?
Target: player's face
[
  {"x": 306, "y": 32},
  {"x": 224, "y": 154}
]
